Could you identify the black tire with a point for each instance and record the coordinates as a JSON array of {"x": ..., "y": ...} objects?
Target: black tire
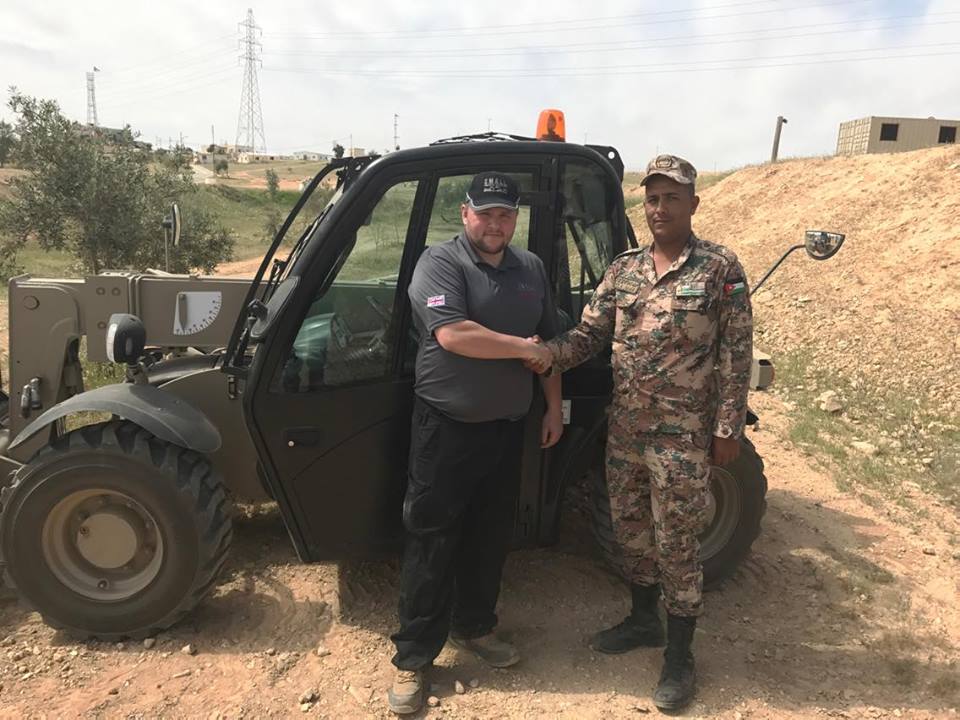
[
  {"x": 738, "y": 502},
  {"x": 111, "y": 532}
]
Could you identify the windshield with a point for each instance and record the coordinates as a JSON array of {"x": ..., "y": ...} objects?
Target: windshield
[
  {"x": 328, "y": 200},
  {"x": 315, "y": 203}
]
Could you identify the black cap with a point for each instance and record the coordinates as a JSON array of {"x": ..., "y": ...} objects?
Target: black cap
[{"x": 493, "y": 189}]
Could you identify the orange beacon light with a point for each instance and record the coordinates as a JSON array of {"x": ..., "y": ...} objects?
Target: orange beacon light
[{"x": 550, "y": 126}]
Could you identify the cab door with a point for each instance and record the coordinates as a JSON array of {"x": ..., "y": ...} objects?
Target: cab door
[
  {"x": 328, "y": 402},
  {"x": 330, "y": 394}
]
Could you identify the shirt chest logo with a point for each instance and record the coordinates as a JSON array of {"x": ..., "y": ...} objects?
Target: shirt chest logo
[{"x": 692, "y": 289}]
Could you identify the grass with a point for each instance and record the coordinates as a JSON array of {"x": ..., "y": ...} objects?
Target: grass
[
  {"x": 247, "y": 212},
  {"x": 239, "y": 174},
  {"x": 918, "y": 447}
]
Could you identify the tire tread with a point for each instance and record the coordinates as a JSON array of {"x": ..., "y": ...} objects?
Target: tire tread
[{"x": 191, "y": 473}]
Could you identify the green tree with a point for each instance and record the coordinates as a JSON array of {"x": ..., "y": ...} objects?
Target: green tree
[
  {"x": 273, "y": 183},
  {"x": 8, "y": 141},
  {"x": 338, "y": 150},
  {"x": 271, "y": 226},
  {"x": 100, "y": 198},
  {"x": 221, "y": 166}
]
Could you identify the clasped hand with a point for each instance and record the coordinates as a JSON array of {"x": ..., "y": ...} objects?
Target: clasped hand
[{"x": 536, "y": 356}]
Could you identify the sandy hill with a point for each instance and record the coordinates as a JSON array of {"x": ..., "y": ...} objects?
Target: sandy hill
[{"x": 887, "y": 306}]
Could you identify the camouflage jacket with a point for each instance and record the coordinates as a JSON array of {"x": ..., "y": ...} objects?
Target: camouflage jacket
[{"x": 682, "y": 343}]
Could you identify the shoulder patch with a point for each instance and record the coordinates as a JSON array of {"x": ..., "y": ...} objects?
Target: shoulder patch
[{"x": 716, "y": 250}]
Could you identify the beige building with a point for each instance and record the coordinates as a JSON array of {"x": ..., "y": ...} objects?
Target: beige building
[{"x": 891, "y": 134}]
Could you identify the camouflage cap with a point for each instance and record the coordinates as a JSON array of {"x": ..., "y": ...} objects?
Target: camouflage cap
[{"x": 673, "y": 167}]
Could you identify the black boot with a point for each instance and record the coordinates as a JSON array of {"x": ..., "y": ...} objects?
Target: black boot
[
  {"x": 677, "y": 680},
  {"x": 642, "y": 628}
]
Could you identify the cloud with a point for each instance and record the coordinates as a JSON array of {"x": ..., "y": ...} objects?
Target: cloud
[{"x": 706, "y": 79}]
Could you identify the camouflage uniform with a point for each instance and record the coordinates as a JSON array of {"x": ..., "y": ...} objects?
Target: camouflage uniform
[{"x": 682, "y": 352}]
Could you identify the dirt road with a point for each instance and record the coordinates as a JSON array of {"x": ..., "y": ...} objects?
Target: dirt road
[{"x": 842, "y": 610}]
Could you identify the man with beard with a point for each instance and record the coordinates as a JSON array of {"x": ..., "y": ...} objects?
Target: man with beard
[{"x": 475, "y": 301}]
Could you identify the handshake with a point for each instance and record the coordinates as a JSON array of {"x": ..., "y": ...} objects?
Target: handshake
[{"x": 536, "y": 356}]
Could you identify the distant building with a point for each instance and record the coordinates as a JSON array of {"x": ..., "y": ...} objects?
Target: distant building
[
  {"x": 311, "y": 156},
  {"x": 892, "y": 134},
  {"x": 208, "y": 158},
  {"x": 249, "y": 157}
]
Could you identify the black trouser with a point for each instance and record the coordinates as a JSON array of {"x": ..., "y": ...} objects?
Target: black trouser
[{"x": 458, "y": 514}]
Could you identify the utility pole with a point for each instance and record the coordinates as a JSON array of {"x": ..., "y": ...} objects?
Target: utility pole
[
  {"x": 489, "y": 121},
  {"x": 396, "y": 136},
  {"x": 213, "y": 140},
  {"x": 781, "y": 121},
  {"x": 92, "y": 99},
  {"x": 250, "y": 122}
]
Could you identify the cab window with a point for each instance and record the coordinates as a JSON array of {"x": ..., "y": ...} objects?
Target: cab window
[
  {"x": 349, "y": 331},
  {"x": 585, "y": 240}
]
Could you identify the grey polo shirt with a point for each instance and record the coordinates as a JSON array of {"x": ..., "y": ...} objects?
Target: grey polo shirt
[{"x": 451, "y": 283}]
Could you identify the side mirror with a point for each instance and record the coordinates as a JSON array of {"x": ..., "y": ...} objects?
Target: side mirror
[
  {"x": 126, "y": 338},
  {"x": 821, "y": 245},
  {"x": 172, "y": 223}
]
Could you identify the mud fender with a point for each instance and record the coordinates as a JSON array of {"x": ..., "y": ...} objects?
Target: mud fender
[{"x": 165, "y": 415}]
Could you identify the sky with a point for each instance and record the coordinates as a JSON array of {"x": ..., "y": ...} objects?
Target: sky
[{"x": 704, "y": 79}]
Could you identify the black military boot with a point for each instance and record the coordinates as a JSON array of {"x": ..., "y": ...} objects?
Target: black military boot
[
  {"x": 677, "y": 679},
  {"x": 642, "y": 628}
]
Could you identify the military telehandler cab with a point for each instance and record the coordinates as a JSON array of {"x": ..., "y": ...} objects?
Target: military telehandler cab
[{"x": 295, "y": 387}]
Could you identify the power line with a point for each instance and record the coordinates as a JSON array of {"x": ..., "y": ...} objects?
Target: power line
[
  {"x": 146, "y": 91},
  {"x": 164, "y": 60},
  {"x": 174, "y": 69},
  {"x": 544, "y": 26},
  {"x": 180, "y": 88},
  {"x": 742, "y": 36},
  {"x": 658, "y": 68}
]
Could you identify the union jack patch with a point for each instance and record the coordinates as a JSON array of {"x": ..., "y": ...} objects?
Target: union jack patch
[{"x": 436, "y": 300}]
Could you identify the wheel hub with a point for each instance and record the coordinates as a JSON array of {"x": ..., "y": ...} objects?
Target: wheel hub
[
  {"x": 102, "y": 544},
  {"x": 109, "y": 539}
]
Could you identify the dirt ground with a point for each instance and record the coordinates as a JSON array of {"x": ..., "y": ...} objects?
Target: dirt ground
[{"x": 841, "y": 610}]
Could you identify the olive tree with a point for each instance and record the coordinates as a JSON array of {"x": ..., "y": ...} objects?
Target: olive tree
[
  {"x": 101, "y": 197},
  {"x": 8, "y": 142}
]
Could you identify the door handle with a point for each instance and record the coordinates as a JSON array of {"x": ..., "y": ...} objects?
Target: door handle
[{"x": 302, "y": 436}]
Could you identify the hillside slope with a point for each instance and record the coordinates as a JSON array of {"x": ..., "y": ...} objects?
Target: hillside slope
[{"x": 886, "y": 308}]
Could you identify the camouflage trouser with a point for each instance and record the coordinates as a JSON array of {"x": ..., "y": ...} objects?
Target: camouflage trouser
[{"x": 658, "y": 503}]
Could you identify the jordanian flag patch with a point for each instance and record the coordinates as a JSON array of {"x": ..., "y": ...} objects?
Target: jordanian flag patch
[{"x": 734, "y": 288}]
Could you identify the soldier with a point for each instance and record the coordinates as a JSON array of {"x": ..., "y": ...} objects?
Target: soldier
[{"x": 678, "y": 314}]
